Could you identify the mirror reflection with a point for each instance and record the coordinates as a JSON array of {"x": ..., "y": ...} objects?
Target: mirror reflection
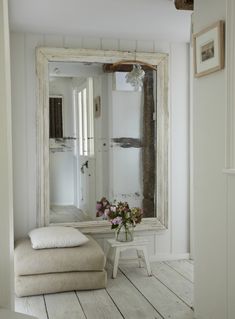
[{"x": 102, "y": 133}]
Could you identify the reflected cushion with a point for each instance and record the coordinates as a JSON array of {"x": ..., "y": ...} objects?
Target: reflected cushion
[{"x": 56, "y": 237}]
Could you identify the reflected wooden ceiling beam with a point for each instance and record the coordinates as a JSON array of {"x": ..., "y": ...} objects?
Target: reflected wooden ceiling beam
[
  {"x": 127, "y": 66},
  {"x": 184, "y": 4},
  {"x": 109, "y": 68}
]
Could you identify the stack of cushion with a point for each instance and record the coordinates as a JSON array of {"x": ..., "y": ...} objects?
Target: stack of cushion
[{"x": 56, "y": 259}]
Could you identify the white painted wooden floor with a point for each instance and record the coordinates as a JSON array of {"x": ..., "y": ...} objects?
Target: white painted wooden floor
[{"x": 132, "y": 295}]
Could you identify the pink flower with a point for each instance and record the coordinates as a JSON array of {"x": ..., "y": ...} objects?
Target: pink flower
[
  {"x": 98, "y": 206},
  {"x": 117, "y": 220},
  {"x": 99, "y": 213},
  {"x": 106, "y": 212}
]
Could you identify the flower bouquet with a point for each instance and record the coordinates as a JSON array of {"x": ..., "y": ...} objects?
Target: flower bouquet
[
  {"x": 103, "y": 208},
  {"x": 123, "y": 218}
]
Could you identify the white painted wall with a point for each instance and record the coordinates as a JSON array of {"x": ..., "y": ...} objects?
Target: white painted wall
[
  {"x": 171, "y": 243},
  {"x": 6, "y": 196},
  {"x": 210, "y": 186}
]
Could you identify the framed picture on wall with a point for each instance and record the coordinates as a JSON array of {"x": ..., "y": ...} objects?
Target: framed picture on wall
[{"x": 209, "y": 49}]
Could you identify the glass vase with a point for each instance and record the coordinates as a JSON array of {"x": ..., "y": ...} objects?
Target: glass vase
[{"x": 124, "y": 232}]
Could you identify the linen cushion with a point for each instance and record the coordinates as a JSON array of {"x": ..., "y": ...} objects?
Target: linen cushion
[
  {"x": 29, "y": 261},
  {"x": 53, "y": 283},
  {"x": 56, "y": 236}
]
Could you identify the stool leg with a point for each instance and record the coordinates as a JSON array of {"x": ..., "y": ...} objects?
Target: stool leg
[
  {"x": 116, "y": 260},
  {"x": 149, "y": 271}
]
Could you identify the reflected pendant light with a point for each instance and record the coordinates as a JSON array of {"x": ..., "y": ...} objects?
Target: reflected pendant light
[{"x": 136, "y": 76}]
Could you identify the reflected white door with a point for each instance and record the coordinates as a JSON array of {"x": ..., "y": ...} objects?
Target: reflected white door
[{"x": 85, "y": 148}]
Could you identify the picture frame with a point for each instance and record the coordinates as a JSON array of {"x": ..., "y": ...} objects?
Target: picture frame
[{"x": 209, "y": 47}]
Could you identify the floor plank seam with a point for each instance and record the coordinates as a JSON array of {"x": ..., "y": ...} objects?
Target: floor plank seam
[
  {"x": 142, "y": 294},
  {"x": 115, "y": 304},
  {"x": 80, "y": 304},
  {"x": 190, "y": 306},
  {"x": 45, "y": 304},
  {"x": 177, "y": 272}
]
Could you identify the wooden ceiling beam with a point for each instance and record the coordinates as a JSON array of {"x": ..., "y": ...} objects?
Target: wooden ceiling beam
[
  {"x": 184, "y": 4},
  {"x": 109, "y": 68}
]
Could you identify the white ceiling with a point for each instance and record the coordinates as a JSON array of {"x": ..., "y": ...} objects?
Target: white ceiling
[{"x": 126, "y": 19}]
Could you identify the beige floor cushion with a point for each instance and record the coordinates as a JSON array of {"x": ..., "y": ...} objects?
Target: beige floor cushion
[
  {"x": 55, "y": 270},
  {"x": 60, "y": 282},
  {"x": 28, "y": 261}
]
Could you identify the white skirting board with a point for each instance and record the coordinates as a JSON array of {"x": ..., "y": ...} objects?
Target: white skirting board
[
  {"x": 157, "y": 258},
  {"x": 165, "y": 257},
  {"x": 153, "y": 247}
]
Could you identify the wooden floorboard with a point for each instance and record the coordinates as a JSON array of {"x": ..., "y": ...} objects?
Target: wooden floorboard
[
  {"x": 184, "y": 267},
  {"x": 131, "y": 303},
  {"x": 33, "y": 306},
  {"x": 98, "y": 304},
  {"x": 161, "y": 298},
  {"x": 174, "y": 281},
  {"x": 64, "y": 305},
  {"x": 131, "y": 295}
]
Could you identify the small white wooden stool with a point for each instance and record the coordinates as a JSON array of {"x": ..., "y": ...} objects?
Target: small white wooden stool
[{"x": 139, "y": 243}]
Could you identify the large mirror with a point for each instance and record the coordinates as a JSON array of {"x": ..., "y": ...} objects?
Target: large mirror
[{"x": 100, "y": 136}]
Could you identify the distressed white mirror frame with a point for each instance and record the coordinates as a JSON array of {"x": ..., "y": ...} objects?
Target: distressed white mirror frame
[{"x": 46, "y": 55}]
